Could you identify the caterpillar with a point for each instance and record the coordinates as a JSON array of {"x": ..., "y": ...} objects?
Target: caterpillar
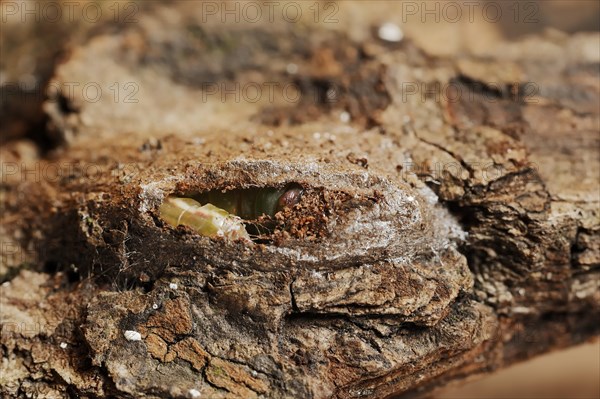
[
  {"x": 207, "y": 220},
  {"x": 230, "y": 214}
]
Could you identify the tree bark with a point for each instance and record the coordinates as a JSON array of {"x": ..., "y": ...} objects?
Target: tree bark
[{"x": 449, "y": 224}]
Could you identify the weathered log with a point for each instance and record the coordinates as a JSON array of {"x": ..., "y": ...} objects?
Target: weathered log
[{"x": 449, "y": 226}]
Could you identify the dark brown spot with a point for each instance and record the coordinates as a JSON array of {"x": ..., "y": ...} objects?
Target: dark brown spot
[{"x": 290, "y": 198}]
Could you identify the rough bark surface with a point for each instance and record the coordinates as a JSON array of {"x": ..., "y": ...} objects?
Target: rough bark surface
[{"x": 457, "y": 234}]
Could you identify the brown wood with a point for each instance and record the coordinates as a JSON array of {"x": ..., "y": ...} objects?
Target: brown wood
[{"x": 453, "y": 229}]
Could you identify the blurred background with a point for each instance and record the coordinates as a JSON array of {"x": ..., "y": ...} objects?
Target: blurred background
[
  {"x": 573, "y": 373},
  {"x": 35, "y": 35},
  {"x": 31, "y": 46}
]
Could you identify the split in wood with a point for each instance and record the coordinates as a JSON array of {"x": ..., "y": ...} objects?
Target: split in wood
[{"x": 234, "y": 214}]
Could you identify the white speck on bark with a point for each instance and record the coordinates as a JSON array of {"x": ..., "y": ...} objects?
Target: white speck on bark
[
  {"x": 173, "y": 286},
  {"x": 291, "y": 68},
  {"x": 345, "y": 117},
  {"x": 194, "y": 393},
  {"x": 131, "y": 335},
  {"x": 390, "y": 32},
  {"x": 521, "y": 310}
]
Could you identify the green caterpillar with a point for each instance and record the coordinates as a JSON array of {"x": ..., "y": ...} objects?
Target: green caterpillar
[{"x": 224, "y": 213}]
